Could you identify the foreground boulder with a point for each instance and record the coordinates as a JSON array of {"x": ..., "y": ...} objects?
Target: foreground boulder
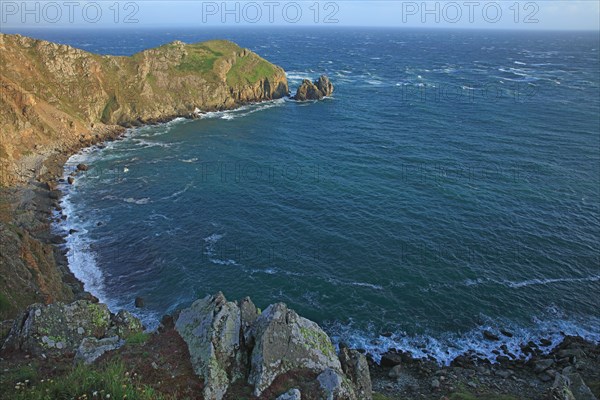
[
  {"x": 284, "y": 342},
  {"x": 211, "y": 328},
  {"x": 308, "y": 90},
  {"x": 233, "y": 341},
  {"x": 60, "y": 329}
]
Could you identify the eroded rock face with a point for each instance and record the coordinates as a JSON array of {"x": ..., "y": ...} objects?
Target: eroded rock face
[
  {"x": 285, "y": 341},
  {"x": 228, "y": 341},
  {"x": 211, "y": 328},
  {"x": 316, "y": 90},
  {"x": 356, "y": 368}
]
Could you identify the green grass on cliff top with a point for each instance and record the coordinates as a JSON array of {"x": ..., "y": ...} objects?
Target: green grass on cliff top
[
  {"x": 201, "y": 58},
  {"x": 249, "y": 70}
]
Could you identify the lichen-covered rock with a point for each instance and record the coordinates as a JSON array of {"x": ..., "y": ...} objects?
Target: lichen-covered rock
[
  {"x": 124, "y": 324},
  {"x": 292, "y": 394},
  {"x": 57, "y": 327},
  {"x": 335, "y": 386},
  {"x": 283, "y": 342},
  {"x": 316, "y": 90},
  {"x": 91, "y": 348},
  {"x": 356, "y": 368},
  {"x": 211, "y": 328}
]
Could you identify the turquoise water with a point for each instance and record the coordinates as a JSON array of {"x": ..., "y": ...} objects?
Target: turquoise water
[{"x": 450, "y": 185}]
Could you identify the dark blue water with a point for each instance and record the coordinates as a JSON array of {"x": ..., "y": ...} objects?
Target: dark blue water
[{"x": 451, "y": 184}]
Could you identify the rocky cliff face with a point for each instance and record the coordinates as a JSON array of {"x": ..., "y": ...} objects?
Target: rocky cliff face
[
  {"x": 55, "y": 99},
  {"x": 52, "y": 95},
  {"x": 233, "y": 342}
]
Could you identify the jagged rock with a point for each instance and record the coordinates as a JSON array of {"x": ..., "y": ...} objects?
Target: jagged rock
[
  {"x": 57, "y": 327},
  {"x": 211, "y": 328},
  {"x": 314, "y": 90},
  {"x": 283, "y": 342},
  {"x": 324, "y": 85},
  {"x": 139, "y": 302},
  {"x": 229, "y": 340},
  {"x": 292, "y": 394},
  {"x": 125, "y": 324},
  {"x": 334, "y": 386},
  {"x": 542, "y": 365},
  {"x": 248, "y": 313},
  {"x": 356, "y": 368},
  {"x": 579, "y": 389},
  {"x": 308, "y": 91},
  {"x": 82, "y": 167},
  {"x": 71, "y": 180},
  {"x": 91, "y": 348}
]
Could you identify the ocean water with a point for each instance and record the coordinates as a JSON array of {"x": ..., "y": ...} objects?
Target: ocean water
[{"x": 450, "y": 185}]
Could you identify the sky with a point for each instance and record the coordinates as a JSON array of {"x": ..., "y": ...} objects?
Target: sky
[{"x": 463, "y": 14}]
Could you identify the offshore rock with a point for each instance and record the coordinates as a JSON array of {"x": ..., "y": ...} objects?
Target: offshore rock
[{"x": 308, "y": 90}]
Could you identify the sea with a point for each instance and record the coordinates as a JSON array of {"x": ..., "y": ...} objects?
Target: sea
[{"x": 450, "y": 185}]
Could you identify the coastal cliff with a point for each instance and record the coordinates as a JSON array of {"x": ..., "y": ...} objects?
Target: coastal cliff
[
  {"x": 56, "y": 99},
  {"x": 55, "y": 96}
]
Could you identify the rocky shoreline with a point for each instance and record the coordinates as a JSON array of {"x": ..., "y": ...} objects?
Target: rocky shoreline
[
  {"x": 216, "y": 348},
  {"x": 570, "y": 371}
]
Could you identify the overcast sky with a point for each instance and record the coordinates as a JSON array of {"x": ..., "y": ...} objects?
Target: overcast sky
[{"x": 481, "y": 14}]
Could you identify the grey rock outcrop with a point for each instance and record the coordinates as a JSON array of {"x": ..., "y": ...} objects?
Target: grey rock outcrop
[
  {"x": 57, "y": 327},
  {"x": 334, "y": 386},
  {"x": 82, "y": 327},
  {"x": 285, "y": 341},
  {"x": 211, "y": 328},
  {"x": 356, "y": 368},
  {"x": 316, "y": 90},
  {"x": 91, "y": 348},
  {"x": 292, "y": 394},
  {"x": 228, "y": 341}
]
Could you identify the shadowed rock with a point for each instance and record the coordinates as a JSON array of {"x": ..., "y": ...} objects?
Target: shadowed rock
[
  {"x": 230, "y": 340},
  {"x": 308, "y": 90}
]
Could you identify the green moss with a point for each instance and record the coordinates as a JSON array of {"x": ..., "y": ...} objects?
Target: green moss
[
  {"x": 98, "y": 316},
  {"x": 318, "y": 340}
]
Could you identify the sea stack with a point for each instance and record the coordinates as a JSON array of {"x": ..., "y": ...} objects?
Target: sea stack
[{"x": 316, "y": 90}]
